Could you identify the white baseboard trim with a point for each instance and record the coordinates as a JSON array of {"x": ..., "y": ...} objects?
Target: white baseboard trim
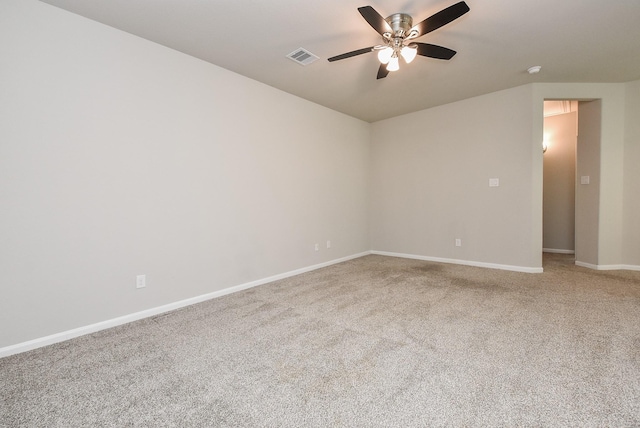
[
  {"x": 608, "y": 267},
  {"x": 586, "y": 265},
  {"x": 557, "y": 251},
  {"x": 103, "y": 325},
  {"x": 462, "y": 262}
]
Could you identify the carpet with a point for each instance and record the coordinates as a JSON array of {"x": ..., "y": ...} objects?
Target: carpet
[{"x": 375, "y": 341}]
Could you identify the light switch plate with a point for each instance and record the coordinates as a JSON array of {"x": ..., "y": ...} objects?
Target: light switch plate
[
  {"x": 494, "y": 182},
  {"x": 584, "y": 179}
]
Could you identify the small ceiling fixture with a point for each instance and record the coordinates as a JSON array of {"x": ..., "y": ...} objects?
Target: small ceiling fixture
[
  {"x": 397, "y": 31},
  {"x": 534, "y": 70}
]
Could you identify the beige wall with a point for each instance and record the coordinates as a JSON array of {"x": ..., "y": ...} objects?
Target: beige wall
[
  {"x": 430, "y": 171},
  {"x": 120, "y": 157},
  {"x": 588, "y": 194},
  {"x": 631, "y": 222},
  {"x": 430, "y": 182},
  {"x": 559, "y": 182}
]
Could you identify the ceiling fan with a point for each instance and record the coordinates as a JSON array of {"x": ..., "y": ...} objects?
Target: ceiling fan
[{"x": 397, "y": 33}]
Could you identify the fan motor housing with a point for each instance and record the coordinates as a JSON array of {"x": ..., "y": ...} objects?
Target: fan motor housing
[{"x": 400, "y": 23}]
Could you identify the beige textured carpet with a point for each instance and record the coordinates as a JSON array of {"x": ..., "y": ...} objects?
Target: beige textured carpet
[{"x": 376, "y": 341}]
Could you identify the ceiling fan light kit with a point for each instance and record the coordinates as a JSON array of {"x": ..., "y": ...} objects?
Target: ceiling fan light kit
[
  {"x": 394, "y": 41},
  {"x": 409, "y": 53},
  {"x": 394, "y": 63},
  {"x": 384, "y": 55},
  {"x": 398, "y": 32}
]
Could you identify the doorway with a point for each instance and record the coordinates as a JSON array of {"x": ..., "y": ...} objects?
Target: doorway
[
  {"x": 559, "y": 176},
  {"x": 571, "y": 179}
]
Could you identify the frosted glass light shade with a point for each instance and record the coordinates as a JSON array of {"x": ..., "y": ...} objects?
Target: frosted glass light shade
[
  {"x": 393, "y": 64},
  {"x": 384, "y": 55},
  {"x": 408, "y": 53}
]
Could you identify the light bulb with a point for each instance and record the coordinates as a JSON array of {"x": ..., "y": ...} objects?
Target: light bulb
[
  {"x": 408, "y": 53},
  {"x": 384, "y": 55},
  {"x": 393, "y": 64}
]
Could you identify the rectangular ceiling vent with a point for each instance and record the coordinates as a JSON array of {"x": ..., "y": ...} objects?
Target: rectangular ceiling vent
[{"x": 302, "y": 56}]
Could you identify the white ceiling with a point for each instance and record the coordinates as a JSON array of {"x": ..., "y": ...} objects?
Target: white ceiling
[{"x": 497, "y": 41}]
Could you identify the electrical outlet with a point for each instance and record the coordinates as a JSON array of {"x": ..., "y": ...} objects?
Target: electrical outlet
[
  {"x": 458, "y": 242},
  {"x": 317, "y": 247},
  {"x": 141, "y": 281},
  {"x": 328, "y": 244}
]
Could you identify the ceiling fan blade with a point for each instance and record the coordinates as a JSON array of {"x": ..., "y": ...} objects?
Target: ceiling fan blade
[
  {"x": 350, "y": 54},
  {"x": 441, "y": 18},
  {"x": 375, "y": 20},
  {"x": 433, "y": 51},
  {"x": 382, "y": 71}
]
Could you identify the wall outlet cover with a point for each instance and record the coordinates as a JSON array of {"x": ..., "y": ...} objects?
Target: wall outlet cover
[{"x": 141, "y": 281}]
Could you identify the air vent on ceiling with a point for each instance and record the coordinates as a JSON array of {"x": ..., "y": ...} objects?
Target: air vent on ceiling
[{"x": 302, "y": 56}]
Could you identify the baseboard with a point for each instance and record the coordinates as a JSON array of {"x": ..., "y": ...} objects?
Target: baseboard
[
  {"x": 586, "y": 265},
  {"x": 557, "y": 251},
  {"x": 462, "y": 262},
  {"x": 103, "y": 325},
  {"x": 608, "y": 267}
]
